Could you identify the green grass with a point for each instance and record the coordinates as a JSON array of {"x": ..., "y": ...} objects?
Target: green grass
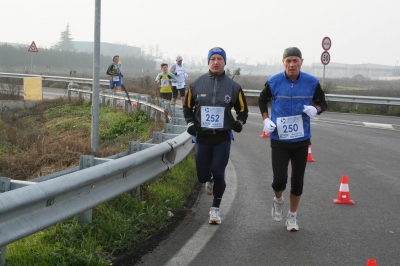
[{"x": 119, "y": 225}]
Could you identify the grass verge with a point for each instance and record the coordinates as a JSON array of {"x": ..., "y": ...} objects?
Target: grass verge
[{"x": 121, "y": 226}]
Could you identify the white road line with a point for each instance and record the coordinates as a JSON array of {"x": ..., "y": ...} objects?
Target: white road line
[
  {"x": 378, "y": 125},
  {"x": 192, "y": 248}
]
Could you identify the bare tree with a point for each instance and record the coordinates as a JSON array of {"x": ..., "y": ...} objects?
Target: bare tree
[{"x": 236, "y": 72}]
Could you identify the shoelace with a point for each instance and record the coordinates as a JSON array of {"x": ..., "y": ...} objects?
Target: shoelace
[
  {"x": 214, "y": 214},
  {"x": 292, "y": 220}
]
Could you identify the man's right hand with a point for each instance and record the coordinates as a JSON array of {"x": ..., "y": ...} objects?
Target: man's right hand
[
  {"x": 269, "y": 126},
  {"x": 191, "y": 129}
]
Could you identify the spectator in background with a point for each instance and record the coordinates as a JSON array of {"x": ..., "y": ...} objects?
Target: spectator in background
[
  {"x": 179, "y": 71},
  {"x": 114, "y": 71},
  {"x": 165, "y": 79}
]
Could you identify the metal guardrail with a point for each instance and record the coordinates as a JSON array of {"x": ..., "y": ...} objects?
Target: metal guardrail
[
  {"x": 27, "y": 207},
  {"x": 345, "y": 98},
  {"x": 251, "y": 93},
  {"x": 83, "y": 81}
]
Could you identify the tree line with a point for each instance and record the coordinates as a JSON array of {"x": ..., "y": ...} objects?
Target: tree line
[{"x": 13, "y": 57}]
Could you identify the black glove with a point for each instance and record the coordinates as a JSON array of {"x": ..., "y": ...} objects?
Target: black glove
[
  {"x": 238, "y": 126},
  {"x": 191, "y": 129},
  {"x": 122, "y": 75}
]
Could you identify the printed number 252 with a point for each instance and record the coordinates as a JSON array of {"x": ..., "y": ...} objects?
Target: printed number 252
[{"x": 212, "y": 118}]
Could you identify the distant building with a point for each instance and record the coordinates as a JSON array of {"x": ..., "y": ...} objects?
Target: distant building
[{"x": 109, "y": 49}]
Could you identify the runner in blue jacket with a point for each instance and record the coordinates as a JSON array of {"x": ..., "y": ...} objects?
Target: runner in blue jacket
[{"x": 295, "y": 97}]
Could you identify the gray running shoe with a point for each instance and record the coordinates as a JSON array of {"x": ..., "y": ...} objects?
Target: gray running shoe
[
  {"x": 291, "y": 223},
  {"x": 215, "y": 217},
  {"x": 209, "y": 187},
  {"x": 276, "y": 211}
]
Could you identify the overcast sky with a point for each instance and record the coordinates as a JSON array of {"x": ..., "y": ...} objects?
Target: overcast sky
[{"x": 256, "y": 31}]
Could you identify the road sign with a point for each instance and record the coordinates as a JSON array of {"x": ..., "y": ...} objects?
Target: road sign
[
  {"x": 33, "y": 48},
  {"x": 325, "y": 58},
  {"x": 326, "y": 43}
]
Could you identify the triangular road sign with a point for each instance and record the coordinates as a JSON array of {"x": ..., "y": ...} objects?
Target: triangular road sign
[{"x": 33, "y": 48}]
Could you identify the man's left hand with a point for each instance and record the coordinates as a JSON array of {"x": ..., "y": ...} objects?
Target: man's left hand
[
  {"x": 310, "y": 110},
  {"x": 238, "y": 126}
]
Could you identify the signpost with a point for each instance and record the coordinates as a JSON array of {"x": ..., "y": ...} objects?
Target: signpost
[
  {"x": 325, "y": 56},
  {"x": 32, "y": 48}
]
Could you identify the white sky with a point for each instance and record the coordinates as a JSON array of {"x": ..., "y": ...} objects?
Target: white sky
[{"x": 362, "y": 31}]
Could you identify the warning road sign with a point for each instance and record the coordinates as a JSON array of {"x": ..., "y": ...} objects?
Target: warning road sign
[{"x": 33, "y": 48}]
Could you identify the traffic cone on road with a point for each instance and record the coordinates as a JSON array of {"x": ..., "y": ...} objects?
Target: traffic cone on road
[
  {"x": 264, "y": 134},
  {"x": 344, "y": 192},
  {"x": 371, "y": 262},
  {"x": 309, "y": 157}
]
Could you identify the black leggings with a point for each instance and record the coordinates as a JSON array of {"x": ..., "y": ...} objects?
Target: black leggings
[
  {"x": 213, "y": 159},
  {"x": 175, "y": 92},
  {"x": 166, "y": 95},
  {"x": 280, "y": 161}
]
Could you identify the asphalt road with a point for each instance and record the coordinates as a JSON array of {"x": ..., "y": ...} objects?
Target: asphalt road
[
  {"x": 330, "y": 234},
  {"x": 365, "y": 148}
]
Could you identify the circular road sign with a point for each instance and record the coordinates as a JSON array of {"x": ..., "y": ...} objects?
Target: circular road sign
[
  {"x": 326, "y": 43},
  {"x": 325, "y": 58}
]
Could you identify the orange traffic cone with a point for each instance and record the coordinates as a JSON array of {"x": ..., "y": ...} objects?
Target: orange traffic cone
[
  {"x": 134, "y": 105},
  {"x": 344, "y": 192},
  {"x": 264, "y": 134},
  {"x": 371, "y": 262},
  {"x": 309, "y": 157}
]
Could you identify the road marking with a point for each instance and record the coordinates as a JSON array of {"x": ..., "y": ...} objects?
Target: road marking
[
  {"x": 378, "y": 125},
  {"x": 193, "y": 247}
]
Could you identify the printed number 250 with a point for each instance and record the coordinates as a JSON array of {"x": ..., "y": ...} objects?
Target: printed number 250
[{"x": 290, "y": 128}]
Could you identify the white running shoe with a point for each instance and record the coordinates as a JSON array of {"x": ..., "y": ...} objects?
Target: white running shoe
[
  {"x": 215, "y": 217},
  {"x": 291, "y": 222},
  {"x": 209, "y": 187},
  {"x": 276, "y": 211}
]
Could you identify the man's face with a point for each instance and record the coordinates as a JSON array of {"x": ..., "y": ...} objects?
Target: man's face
[
  {"x": 292, "y": 66},
  {"x": 164, "y": 68},
  {"x": 216, "y": 64},
  {"x": 179, "y": 62}
]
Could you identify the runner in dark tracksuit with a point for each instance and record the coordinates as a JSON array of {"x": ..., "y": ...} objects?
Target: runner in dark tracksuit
[{"x": 207, "y": 110}]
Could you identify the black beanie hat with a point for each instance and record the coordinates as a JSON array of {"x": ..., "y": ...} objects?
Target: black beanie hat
[{"x": 291, "y": 51}]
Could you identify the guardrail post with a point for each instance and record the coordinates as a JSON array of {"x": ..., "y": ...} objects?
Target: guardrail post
[
  {"x": 3, "y": 256},
  {"x": 5, "y": 184},
  {"x": 126, "y": 106},
  {"x": 69, "y": 94},
  {"x": 148, "y": 109},
  {"x": 134, "y": 146},
  {"x": 86, "y": 161}
]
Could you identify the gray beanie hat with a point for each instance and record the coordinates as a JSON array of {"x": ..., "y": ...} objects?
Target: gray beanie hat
[{"x": 291, "y": 51}]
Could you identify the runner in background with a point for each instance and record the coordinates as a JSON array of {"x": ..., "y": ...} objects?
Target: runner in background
[
  {"x": 165, "y": 79},
  {"x": 114, "y": 71},
  {"x": 179, "y": 71}
]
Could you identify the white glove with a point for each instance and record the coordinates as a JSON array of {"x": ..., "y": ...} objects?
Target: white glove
[
  {"x": 269, "y": 126},
  {"x": 186, "y": 75},
  {"x": 310, "y": 110}
]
